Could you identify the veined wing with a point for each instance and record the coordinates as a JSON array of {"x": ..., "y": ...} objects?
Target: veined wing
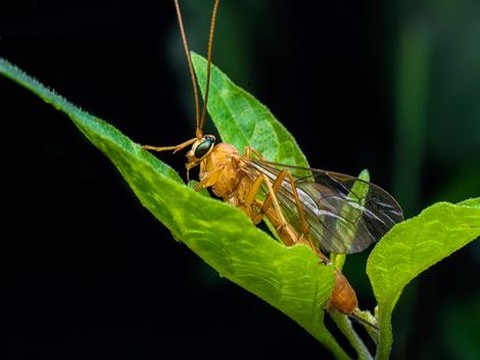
[{"x": 344, "y": 214}]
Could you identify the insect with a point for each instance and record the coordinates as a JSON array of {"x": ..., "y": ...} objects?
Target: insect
[{"x": 324, "y": 210}]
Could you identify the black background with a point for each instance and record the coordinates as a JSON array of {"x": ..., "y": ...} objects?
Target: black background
[{"x": 86, "y": 271}]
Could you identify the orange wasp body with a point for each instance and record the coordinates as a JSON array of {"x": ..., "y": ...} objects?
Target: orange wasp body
[
  {"x": 321, "y": 209},
  {"x": 231, "y": 178}
]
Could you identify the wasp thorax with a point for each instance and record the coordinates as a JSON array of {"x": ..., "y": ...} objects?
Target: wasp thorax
[{"x": 221, "y": 169}]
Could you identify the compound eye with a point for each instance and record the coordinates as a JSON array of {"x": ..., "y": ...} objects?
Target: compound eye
[{"x": 204, "y": 147}]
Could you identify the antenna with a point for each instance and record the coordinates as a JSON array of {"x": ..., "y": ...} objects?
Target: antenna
[
  {"x": 200, "y": 120},
  {"x": 209, "y": 64}
]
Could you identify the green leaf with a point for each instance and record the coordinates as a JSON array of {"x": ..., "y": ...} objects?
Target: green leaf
[
  {"x": 291, "y": 279},
  {"x": 243, "y": 121},
  {"x": 412, "y": 247}
]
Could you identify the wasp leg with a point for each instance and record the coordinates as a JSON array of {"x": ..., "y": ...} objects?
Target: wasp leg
[
  {"x": 271, "y": 200},
  {"x": 209, "y": 180},
  {"x": 273, "y": 212},
  {"x": 175, "y": 148}
]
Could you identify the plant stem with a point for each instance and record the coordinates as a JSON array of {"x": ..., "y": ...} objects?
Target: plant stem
[
  {"x": 345, "y": 326},
  {"x": 385, "y": 322}
]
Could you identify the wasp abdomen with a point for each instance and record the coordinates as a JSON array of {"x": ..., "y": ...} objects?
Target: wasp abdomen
[{"x": 343, "y": 296}]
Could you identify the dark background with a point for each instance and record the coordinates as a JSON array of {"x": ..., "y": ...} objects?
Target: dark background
[{"x": 87, "y": 272}]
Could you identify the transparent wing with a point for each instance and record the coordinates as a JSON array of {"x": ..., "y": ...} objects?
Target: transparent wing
[{"x": 344, "y": 214}]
